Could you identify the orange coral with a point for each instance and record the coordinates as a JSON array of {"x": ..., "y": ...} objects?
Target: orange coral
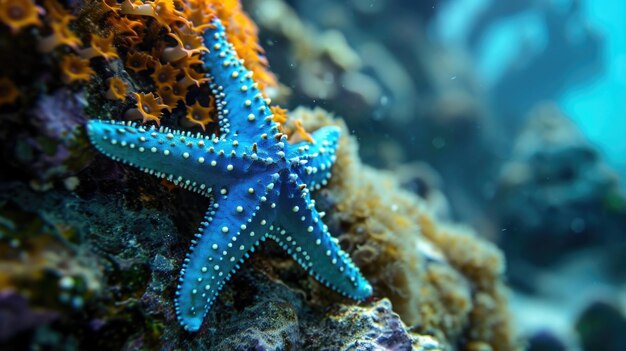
[
  {"x": 187, "y": 62},
  {"x": 75, "y": 68},
  {"x": 169, "y": 97},
  {"x": 192, "y": 77},
  {"x": 164, "y": 75},
  {"x": 61, "y": 35},
  {"x": 188, "y": 43},
  {"x": 123, "y": 25},
  {"x": 117, "y": 89},
  {"x": 150, "y": 107},
  {"x": 138, "y": 61},
  {"x": 8, "y": 91},
  {"x": 143, "y": 33},
  {"x": 111, "y": 5},
  {"x": 166, "y": 13},
  {"x": 280, "y": 114},
  {"x": 302, "y": 132},
  {"x": 56, "y": 12},
  {"x": 200, "y": 115},
  {"x": 100, "y": 46},
  {"x": 163, "y": 11},
  {"x": 243, "y": 34},
  {"x": 18, "y": 14},
  {"x": 137, "y": 8},
  {"x": 197, "y": 13},
  {"x": 128, "y": 32}
]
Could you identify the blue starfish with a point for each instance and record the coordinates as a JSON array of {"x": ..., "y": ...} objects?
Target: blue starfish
[{"x": 259, "y": 185}]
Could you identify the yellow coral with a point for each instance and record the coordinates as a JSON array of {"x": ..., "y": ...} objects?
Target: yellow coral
[
  {"x": 18, "y": 14},
  {"x": 150, "y": 107},
  {"x": 111, "y": 5},
  {"x": 164, "y": 75},
  {"x": 163, "y": 11},
  {"x": 200, "y": 115},
  {"x": 138, "y": 61},
  {"x": 61, "y": 35},
  {"x": 100, "y": 46},
  {"x": 117, "y": 89},
  {"x": 187, "y": 44},
  {"x": 56, "y": 12},
  {"x": 192, "y": 77},
  {"x": 243, "y": 34},
  {"x": 74, "y": 69}
]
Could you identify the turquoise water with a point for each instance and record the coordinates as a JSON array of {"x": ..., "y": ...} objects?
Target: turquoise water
[
  {"x": 597, "y": 102},
  {"x": 599, "y": 107}
]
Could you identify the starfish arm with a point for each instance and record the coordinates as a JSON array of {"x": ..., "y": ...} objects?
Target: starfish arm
[
  {"x": 315, "y": 159},
  {"x": 300, "y": 230},
  {"x": 236, "y": 92},
  {"x": 230, "y": 231},
  {"x": 182, "y": 158}
]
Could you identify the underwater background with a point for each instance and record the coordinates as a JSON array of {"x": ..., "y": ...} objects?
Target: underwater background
[{"x": 471, "y": 158}]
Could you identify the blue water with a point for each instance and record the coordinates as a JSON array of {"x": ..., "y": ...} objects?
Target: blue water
[
  {"x": 599, "y": 107},
  {"x": 596, "y": 103}
]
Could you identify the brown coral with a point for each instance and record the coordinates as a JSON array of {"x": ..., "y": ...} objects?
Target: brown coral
[
  {"x": 8, "y": 91},
  {"x": 169, "y": 97},
  {"x": 61, "y": 35},
  {"x": 19, "y": 14}
]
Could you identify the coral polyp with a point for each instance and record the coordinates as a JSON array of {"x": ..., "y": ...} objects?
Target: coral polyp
[
  {"x": 74, "y": 68},
  {"x": 117, "y": 89},
  {"x": 149, "y": 106},
  {"x": 19, "y": 14}
]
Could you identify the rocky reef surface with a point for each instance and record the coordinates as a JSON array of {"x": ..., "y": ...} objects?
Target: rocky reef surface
[{"x": 90, "y": 249}]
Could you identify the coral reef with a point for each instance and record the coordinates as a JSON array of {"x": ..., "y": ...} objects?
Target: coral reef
[{"x": 89, "y": 247}]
